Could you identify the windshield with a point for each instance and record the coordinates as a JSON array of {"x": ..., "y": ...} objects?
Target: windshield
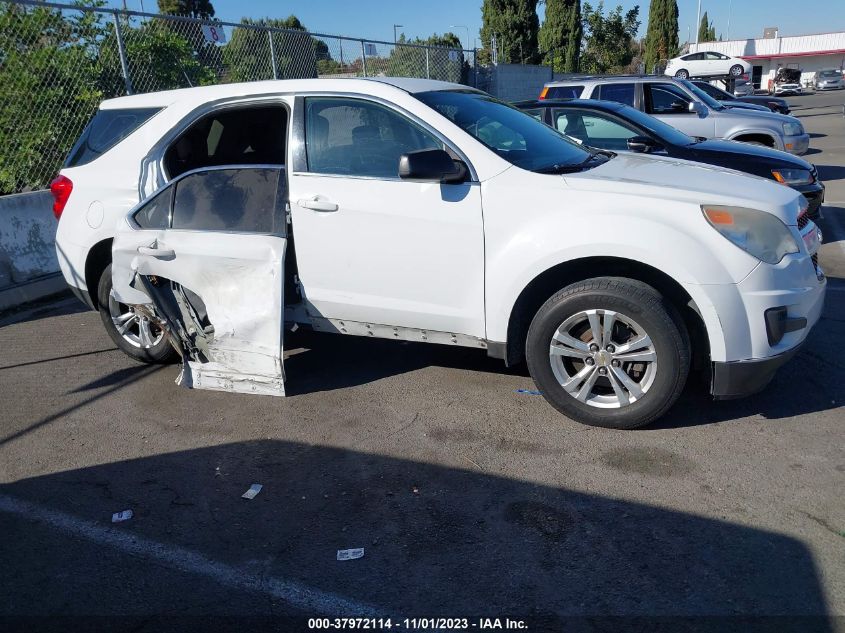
[
  {"x": 698, "y": 92},
  {"x": 514, "y": 135},
  {"x": 656, "y": 126},
  {"x": 830, "y": 73}
]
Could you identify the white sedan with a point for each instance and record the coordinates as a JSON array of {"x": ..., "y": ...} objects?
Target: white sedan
[{"x": 706, "y": 64}]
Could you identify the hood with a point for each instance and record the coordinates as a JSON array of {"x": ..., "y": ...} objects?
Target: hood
[
  {"x": 772, "y": 118},
  {"x": 745, "y": 105},
  {"x": 746, "y": 150},
  {"x": 675, "y": 180},
  {"x": 788, "y": 75}
]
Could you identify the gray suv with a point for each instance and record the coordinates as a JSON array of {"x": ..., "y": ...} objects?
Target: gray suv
[{"x": 681, "y": 104}]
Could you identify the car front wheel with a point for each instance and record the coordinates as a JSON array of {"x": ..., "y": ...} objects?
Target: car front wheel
[
  {"x": 134, "y": 333},
  {"x": 609, "y": 352}
]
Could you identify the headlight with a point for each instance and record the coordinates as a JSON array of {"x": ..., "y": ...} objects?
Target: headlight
[
  {"x": 792, "y": 129},
  {"x": 793, "y": 176},
  {"x": 758, "y": 233}
]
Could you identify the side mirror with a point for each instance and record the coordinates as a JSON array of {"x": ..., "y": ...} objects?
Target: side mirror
[
  {"x": 431, "y": 165},
  {"x": 641, "y": 144},
  {"x": 695, "y": 107}
]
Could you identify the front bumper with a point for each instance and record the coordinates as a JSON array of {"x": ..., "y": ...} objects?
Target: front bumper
[
  {"x": 797, "y": 145},
  {"x": 741, "y": 378},
  {"x": 815, "y": 197},
  {"x": 830, "y": 86}
]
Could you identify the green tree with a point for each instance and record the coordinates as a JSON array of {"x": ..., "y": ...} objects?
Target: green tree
[
  {"x": 445, "y": 58},
  {"x": 515, "y": 25},
  {"x": 706, "y": 30},
  {"x": 193, "y": 8},
  {"x": 560, "y": 35},
  {"x": 49, "y": 79},
  {"x": 661, "y": 41},
  {"x": 608, "y": 45},
  {"x": 247, "y": 55}
]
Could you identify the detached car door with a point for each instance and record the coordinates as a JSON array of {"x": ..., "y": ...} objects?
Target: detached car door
[
  {"x": 371, "y": 248},
  {"x": 208, "y": 252}
]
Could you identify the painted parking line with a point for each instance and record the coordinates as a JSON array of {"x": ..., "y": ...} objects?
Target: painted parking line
[{"x": 295, "y": 594}]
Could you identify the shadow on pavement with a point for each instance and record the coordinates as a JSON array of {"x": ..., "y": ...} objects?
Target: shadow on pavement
[{"x": 437, "y": 541}]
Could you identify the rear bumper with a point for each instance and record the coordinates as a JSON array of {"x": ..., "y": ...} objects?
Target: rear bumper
[{"x": 737, "y": 379}]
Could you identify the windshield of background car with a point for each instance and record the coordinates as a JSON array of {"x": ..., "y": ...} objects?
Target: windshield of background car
[
  {"x": 698, "y": 92},
  {"x": 659, "y": 128},
  {"x": 517, "y": 137},
  {"x": 830, "y": 74}
]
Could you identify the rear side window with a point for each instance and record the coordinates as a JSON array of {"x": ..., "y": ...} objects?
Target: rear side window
[
  {"x": 239, "y": 200},
  {"x": 564, "y": 92},
  {"x": 155, "y": 214},
  {"x": 107, "y": 129},
  {"x": 621, "y": 93}
]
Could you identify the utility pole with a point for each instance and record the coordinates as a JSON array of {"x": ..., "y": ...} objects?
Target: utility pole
[
  {"x": 396, "y": 26},
  {"x": 697, "y": 24}
]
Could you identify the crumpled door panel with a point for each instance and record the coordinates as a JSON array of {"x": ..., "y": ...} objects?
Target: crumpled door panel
[{"x": 221, "y": 305}]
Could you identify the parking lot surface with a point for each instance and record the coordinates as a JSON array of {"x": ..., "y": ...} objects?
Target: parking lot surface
[{"x": 469, "y": 498}]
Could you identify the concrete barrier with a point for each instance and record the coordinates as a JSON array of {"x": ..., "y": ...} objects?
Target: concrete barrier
[{"x": 29, "y": 268}]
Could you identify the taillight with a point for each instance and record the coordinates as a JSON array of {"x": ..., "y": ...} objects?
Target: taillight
[
  {"x": 60, "y": 188},
  {"x": 544, "y": 92}
]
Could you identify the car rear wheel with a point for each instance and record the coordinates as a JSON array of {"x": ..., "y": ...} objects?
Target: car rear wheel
[
  {"x": 682, "y": 74},
  {"x": 134, "y": 333},
  {"x": 609, "y": 352},
  {"x": 736, "y": 70}
]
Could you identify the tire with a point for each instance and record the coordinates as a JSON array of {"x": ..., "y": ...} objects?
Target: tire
[
  {"x": 149, "y": 347},
  {"x": 633, "y": 309},
  {"x": 682, "y": 74},
  {"x": 736, "y": 70}
]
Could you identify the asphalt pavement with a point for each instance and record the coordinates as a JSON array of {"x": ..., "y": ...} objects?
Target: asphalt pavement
[{"x": 469, "y": 499}]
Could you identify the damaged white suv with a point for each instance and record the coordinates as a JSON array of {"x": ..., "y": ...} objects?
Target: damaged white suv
[{"x": 425, "y": 211}]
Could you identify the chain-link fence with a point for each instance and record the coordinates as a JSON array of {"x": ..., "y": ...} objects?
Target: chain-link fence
[{"x": 57, "y": 62}]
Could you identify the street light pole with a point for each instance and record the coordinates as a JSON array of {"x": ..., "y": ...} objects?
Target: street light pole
[
  {"x": 396, "y": 26},
  {"x": 730, "y": 6},
  {"x": 461, "y": 26},
  {"x": 697, "y": 24}
]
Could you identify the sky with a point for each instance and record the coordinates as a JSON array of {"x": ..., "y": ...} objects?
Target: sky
[{"x": 374, "y": 19}]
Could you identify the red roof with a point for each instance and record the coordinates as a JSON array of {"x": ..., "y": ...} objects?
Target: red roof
[{"x": 840, "y": 51}]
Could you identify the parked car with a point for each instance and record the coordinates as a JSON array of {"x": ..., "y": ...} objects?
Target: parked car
[
  {"x": 686, "y": 107},
  {"x": 431, "y": 212},
  {"x": 771, "y": 103},
  {"x": 726, "y": 98},
  {"x": 774, "y": 104},
  {"x": 706, "y": 64},
  {"x": 787, "y": 81},
  {"x": 828, "y": 80},
  {"x": 613, "y": 126},
  {"x": 743, "y": 87}
]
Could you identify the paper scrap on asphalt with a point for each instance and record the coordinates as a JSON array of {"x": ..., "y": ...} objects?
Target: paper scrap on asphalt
[
  {"x": 529, "y": 392},
  {"x": 124, "y": 515},
  {"x": 254, "y": 489},
  {"x": 350, "y": 554}
]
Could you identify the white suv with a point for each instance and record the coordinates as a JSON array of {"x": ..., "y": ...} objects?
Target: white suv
[{"x": 426, "y": 211}]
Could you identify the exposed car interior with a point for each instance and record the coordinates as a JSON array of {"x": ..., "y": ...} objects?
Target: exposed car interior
[{"x": 239, "y": 136}]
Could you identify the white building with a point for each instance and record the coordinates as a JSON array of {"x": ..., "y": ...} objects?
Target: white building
[{"x": 808, "y": 53}]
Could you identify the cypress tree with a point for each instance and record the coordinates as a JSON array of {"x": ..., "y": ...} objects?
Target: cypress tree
[
  {"x": 661, "y": 40},
  {"x": 515, "y": 25},
  {"x": 706, "y": 30},
  {"x": 560, "y": 35}
]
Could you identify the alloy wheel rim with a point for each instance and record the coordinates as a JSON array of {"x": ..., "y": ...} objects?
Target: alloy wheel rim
[
  {"x": 136, "y": 329},
  {"x": 603, "y": 358}
]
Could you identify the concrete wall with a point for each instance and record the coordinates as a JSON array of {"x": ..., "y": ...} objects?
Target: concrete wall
[{"x": 28, "y": 265}]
